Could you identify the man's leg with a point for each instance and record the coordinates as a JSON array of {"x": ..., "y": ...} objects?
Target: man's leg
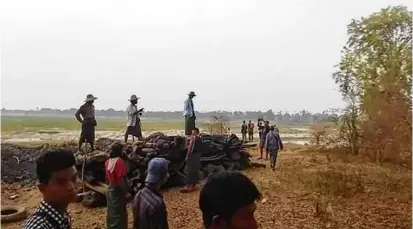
[
  {"x": 81, "y": 137},
  {"x": 126, "y": 136},
  {"x": 275, "y": 157},
  {"x": 90, "y": 136},
  {"x": 272, "y": 158},
  {"x": 266, "y": 154}
]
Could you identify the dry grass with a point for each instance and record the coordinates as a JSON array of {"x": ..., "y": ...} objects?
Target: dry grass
[{"x": 307, "y": 190}]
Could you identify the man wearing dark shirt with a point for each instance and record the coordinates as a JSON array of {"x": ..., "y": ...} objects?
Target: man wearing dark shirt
[
  {"x": 250, "y": 131},
  {"x": 86, "y": 116},
  {"x": 57, "y": 176},
  {"x": 265, "y": 131},
  {"x": 149, "y": 209},
  {"x": 244, "y": 128}
]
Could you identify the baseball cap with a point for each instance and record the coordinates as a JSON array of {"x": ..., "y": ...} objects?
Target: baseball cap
[{"x": 157, "y": 170}]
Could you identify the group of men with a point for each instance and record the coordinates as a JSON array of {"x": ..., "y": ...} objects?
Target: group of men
[
  {"x": 220, "y": 208},
  {"x": 247, "y": 129},
  {"x": 86, "y": 116},
  {"x": 269, "y": 137}
]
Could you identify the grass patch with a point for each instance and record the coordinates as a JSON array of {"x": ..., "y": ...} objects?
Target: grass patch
[
  {"x": 52, "y": 125},
  {"x": 45, "y": 124}
]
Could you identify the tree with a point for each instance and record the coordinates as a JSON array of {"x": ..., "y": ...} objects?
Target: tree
[
  {"x": 375, "y": 79},
  {"x": 269, "y": 115}
]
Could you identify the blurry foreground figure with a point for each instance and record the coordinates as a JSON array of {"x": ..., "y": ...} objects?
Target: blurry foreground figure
[
  {"x": 57, "y": 178},
  {"x": 149, "y": 209},
  {"x": 227, "y": 201}
]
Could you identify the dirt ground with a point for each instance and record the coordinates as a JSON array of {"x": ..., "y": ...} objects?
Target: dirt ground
[{"x": 307, "y": 190}]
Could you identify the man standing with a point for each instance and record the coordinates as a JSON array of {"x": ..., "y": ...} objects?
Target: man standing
[
  {"x": 265, "y": 131},
  {"x": 86, "y": 116},
  {"x": 260, "y": 128},
  {"x": 273, "y": 143},
  {"x": 250, "y": 131},
  {"x": 193, "y": 161},
  {"x": 189, "y": 113},
  {"x": 148, "y": 207},
  {"x": 134, "y": 122},
  {"x": 244, "y": 128}
]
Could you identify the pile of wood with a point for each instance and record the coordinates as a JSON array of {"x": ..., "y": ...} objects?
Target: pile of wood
[{"x": 220, "y": 153}]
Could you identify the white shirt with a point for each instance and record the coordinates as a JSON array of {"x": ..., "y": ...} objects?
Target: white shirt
[
  {"x": 188, "y": 109},
  {"x": 131, "y": 121}
]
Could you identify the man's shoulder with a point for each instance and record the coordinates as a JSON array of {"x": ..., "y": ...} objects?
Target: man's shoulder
[{"x": 36, "y": 221}]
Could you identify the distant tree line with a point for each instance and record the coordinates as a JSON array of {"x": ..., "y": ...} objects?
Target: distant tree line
[{"x": 280, "y": 117}]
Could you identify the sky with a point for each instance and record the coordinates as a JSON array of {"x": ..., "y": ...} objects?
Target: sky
[{"x": 235, "y": 54}]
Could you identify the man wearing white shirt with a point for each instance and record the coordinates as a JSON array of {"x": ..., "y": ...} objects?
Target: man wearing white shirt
[
  {"x": 133, "y": 122},
  {"x": 189, "y": 113}
]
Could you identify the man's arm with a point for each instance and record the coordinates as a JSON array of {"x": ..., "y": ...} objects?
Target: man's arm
[
  {"x": 266, "y": 142},
  {"x": 280, "y": 142},
  {"x": 186, "y": 107},
  {"x": 78, "y": 113}
]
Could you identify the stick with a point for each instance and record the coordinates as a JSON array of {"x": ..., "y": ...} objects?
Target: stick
[{"x": 83, "y": 168}]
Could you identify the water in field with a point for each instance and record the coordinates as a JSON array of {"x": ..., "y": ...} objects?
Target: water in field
[{"x": 297, "y": 137}]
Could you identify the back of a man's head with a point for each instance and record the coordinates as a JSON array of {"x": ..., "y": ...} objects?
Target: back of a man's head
[{"x": 224, "y": 194}]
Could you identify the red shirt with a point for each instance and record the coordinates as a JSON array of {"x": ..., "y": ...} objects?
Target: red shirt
[{"x": 115, "y": 171}]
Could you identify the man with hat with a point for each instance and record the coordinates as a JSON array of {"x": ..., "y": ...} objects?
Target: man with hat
[
  {"x": 133, "y": 124},
  {"x": 189, "y": 113},
  {"x": 86, "y": 116},
  {"x": 148, "y": 207}
]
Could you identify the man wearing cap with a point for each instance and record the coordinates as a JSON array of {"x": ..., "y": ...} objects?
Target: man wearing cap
[
  {"x": 189, "y": 113},
  {"x": 148, "y": 207},
  {"x": 133, "y": 125},
  {"x": 86, "y": 116}
]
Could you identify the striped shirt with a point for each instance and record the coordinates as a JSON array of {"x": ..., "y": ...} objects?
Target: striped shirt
[
  {"x": 149, "y": 210},
  {"x": 47, "y": 217}
]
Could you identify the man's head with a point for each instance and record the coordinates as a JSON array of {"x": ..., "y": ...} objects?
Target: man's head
[
  {"x": 134, "y": 99},
  {"x": 157, "y": 172},
  {"x": 57, "y": 177},
  {"x": 90, "y": 99},
  {"x": 227, "y": 201},
  {"x": 272, "y": 128},
  {"x": 191, "y": 94},
  {"x": 195, "y": 131},
  {"x": 243, "y": 122},
  {"x": 116, "y": 149},
  {"x": 267, "y": 123},
  {"x": 249, "y": 121}
]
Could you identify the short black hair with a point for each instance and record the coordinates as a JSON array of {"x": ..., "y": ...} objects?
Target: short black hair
[
  {"x": 272, "y": 128},
  {"x": 53, "y": 161},
  {"x": 196, "y": 129},
  {"x": 116, "y": 149},
  {"x": 224, "y": 193}
]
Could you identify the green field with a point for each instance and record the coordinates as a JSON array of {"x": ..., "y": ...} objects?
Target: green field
[
  {"x": 36, "y": 124},
  {"x": 50, "y": 124}
]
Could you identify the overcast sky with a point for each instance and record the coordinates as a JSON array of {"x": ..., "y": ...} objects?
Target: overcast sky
[{"x": 235, "y": 54}]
